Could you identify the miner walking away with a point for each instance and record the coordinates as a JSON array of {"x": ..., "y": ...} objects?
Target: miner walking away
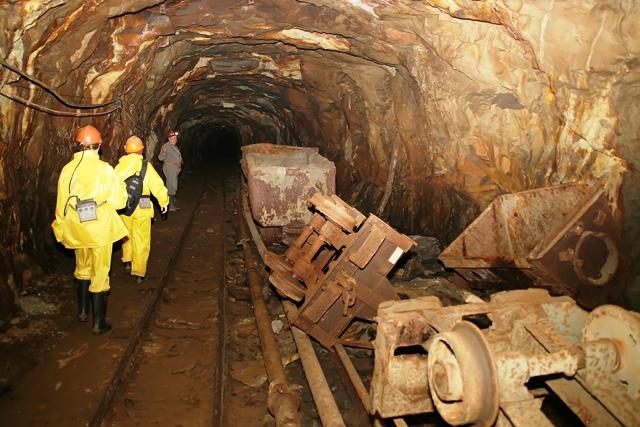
[
  {"x": 137, "y": 218},
  {"x": 89, "y": 193},
  {"x": 172, "y": 165}
]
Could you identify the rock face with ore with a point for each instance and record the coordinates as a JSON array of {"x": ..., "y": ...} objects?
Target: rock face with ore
[{"x": 429, "y": 109}]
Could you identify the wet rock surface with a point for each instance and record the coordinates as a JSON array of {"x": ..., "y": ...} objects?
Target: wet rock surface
[{"x": 432, "y": 107}]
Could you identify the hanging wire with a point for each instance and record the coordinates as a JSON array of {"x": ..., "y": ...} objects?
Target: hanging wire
[
  {"x": 58, "y": 112},
  {"x": 52, "y": 91},
  {"x": 2, "y": 81}
]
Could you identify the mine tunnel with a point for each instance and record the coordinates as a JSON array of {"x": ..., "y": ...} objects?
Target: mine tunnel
[{"x": 386, "y": 213}]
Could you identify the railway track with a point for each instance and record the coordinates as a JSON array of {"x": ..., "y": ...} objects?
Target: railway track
[
  {"x": 177, "y": 349},
  {"x": 197, "y": 339}
]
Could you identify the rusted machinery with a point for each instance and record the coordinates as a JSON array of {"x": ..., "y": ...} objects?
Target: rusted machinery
[
  {"x": 280, "y": 180},
  {"x": 562, "y": 238},
  {"x": 528, "y": 345},
  {"x": 338, "y": 267}
]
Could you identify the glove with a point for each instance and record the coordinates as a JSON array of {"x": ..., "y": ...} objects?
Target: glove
[{"x": 164, "y": 209}]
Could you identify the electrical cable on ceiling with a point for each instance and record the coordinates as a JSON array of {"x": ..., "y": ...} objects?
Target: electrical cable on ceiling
[
  {"x": 57, "y": 112},
  {"x": 2, "y": 81},
  {"x": 52, "y": 91}
]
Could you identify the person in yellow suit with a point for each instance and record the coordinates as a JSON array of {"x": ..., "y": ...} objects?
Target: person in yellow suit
[
  {"x": 136, "y": 247},
  {"x": 89, "y": 193}
]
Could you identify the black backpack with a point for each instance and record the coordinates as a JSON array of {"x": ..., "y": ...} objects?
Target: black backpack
[{"x": 134, "y": 190}]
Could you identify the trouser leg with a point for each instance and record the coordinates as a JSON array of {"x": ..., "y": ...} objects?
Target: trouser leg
[
  {"x": 101, "y": 259},
  {"x": 171, "y": 176},
  {"x": 126, "y": 242},
  {"x": 84, "y": 267},
  {"x": 101, "y": 263},
  {"x": 126, "y": 249},
  {"x": 141, "y": 246}
]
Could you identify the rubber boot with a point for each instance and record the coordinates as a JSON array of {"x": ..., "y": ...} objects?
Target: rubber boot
[
  {"x": 172, "y": 204},
  {"x": 100, "y": 325},
  {"x": 84, "y": 299}
]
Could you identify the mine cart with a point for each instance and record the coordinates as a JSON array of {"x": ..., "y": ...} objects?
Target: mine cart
[
  {"x": 563, "y": 238},
  {"x": 280, "y": 179}
]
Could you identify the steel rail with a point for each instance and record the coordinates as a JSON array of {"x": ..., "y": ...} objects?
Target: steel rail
[
  {"x": 219, "y": 372},
  {"x": 283, "y": 400},
  {"x": 354, "y": 377},
  {"x": 126, "y": 362},
  {"x": 322, "y": 396},
  {"x": 328, "y": 411}
]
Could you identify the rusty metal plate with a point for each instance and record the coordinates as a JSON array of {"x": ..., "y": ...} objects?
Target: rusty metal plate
[
  {"x": 336, "y": 210},
  {"x": 563, "y": 238},
  {"x": 400, "y": 385},
  {"x": 329, "y": 308},
  {"x": 340, "y": 262},
  {"x": 368, "y": 249},
  {"x": 588, "y": 409},
  {"x": 511, "y": 227},
  {"x": 280, "y": 180}
]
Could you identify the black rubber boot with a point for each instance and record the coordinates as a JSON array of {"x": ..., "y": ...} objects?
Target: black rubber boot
[
  {"x": 84, "y": 299},
  {"x": 100, "y": 325}
]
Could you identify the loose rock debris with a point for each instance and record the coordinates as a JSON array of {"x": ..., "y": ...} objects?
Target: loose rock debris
[
  {"x": 252, "y": 372},
  {"x": 73, "y": 354}
]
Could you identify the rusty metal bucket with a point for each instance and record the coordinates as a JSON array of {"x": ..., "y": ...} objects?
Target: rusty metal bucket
[
  {"x": 280, "y": 180},
  {"x": 563, "y": 238}
]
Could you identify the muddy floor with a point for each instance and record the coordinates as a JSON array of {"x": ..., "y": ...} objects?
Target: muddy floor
[
  {"x": 56, "y": 373},
  {"x": 199, "y": 362}
]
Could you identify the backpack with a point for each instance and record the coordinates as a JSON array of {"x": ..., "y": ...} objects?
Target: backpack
[{"x": 134, "y": 190}]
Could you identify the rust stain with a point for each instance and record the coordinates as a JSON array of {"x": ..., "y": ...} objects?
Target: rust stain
[{"x": 590, "y": 363}]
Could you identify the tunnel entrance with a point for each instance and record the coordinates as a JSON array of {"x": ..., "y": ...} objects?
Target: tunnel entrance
[{"x": 212, "y": 144}]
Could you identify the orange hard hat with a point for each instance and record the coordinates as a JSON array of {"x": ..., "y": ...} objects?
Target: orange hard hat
[
  {"x": 133, "y": 145},
  {"x": 88, "y": 135}
]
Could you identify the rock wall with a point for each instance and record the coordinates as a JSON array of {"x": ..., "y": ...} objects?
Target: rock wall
[{"x": 429, "y": 109}]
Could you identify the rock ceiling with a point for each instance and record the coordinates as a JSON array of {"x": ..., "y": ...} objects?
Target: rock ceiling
[{"x": 436, "y": 106}]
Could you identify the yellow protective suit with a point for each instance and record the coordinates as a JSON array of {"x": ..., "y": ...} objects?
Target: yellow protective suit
[
  {"x": 88, "y": 177},
  {"x": 137, "y": 245}
]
